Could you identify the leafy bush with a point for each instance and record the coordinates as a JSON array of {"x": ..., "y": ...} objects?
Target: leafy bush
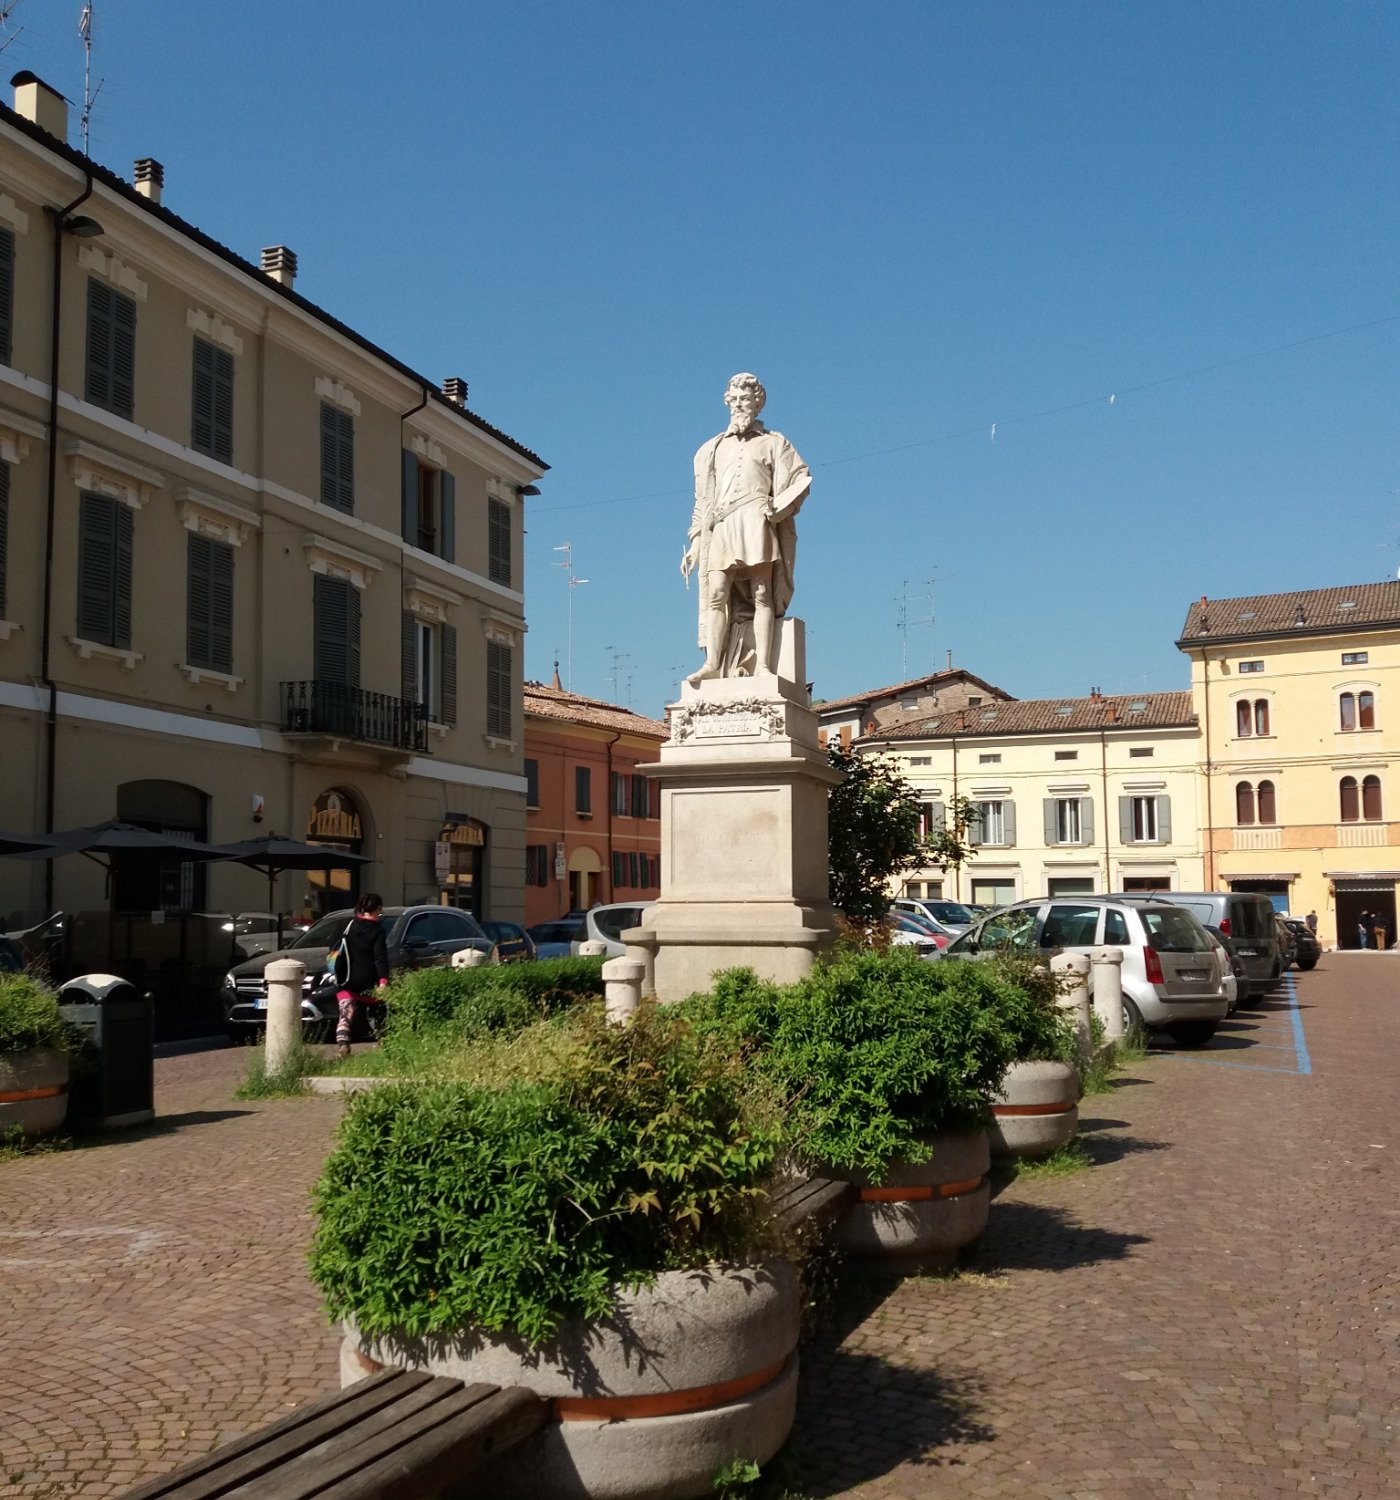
[
  {"x": 29, "y": 1016},
  {"x": 453, "y": 1205},
  {"x": 872, "y": 1051}
]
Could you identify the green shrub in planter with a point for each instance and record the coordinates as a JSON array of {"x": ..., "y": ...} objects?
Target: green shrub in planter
[
  {"x": 29, "y": 1017},
  {"x": 874, "y": 1051},
  {"x": 629, "y": 1151},
  {"x": 467, "y": 1003}
]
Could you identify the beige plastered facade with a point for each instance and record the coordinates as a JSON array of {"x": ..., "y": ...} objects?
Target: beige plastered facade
[
  {"x": 1308, "y": 851},
  {"x": 144, "y": 713}
]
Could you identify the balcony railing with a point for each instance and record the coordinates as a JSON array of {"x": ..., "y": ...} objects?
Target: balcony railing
[{"x": 350, "y": 713}]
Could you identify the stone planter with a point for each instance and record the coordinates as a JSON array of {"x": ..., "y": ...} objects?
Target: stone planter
[
  {"x": 1041, "y": 1109},
  {"x": 682, "y": 1378},
  {"x": 924, "y": 1212},
  {"x": 33, "y": 1091}
]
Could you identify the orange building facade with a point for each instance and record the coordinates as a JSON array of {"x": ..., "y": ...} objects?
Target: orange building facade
[{"x": 593, "y": 820}]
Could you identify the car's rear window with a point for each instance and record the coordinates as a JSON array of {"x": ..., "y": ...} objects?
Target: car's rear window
[
  {"x": 950, "y": 911},
  {"x": 1172, "y": 930},
  {"x": 1251, "y": 919},
  {"x": 612, "y": 924}
]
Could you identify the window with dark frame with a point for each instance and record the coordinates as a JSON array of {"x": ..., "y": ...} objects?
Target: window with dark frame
[
  {"x": 532, "y": 784},
  {"x": 537, "y": 864},
  {"x": 640, "y": 796},
  {"x": 1251, "y": 666},
  {"x": 498, "y": 549},
  {"x": 337, "y": 458},
  {"x": 1350, "y": 800},
  {"x": 104, "y": 571},
  {"x": 7, "y": 295},
  {"x": 617, "y": 792},
  {"x": 1346, "y": 705},
  {"x": 1371, "y": 799},
  {"x": 1244, "y": 804},
  {"x": 1365, "y": 710},
  {"x": 499, "y": 689},
  {"x": 583, "y": 790},
  {"x": 211, "y": 425},
  {"x": 209, "y": 604},
  {"x": 428, "y": 519},
  {"x": 1355, "y": 658},
  {"x": 111, "y": 349},
  {"x": 1268, "y": 812},
  {"x": 1261, "y": 716}
]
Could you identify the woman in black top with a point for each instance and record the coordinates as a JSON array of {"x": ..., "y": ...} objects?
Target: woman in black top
[{"x": 361, "y": 965}]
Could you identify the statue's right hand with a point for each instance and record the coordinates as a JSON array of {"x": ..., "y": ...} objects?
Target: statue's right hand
[{"x": 689, "y": 562}]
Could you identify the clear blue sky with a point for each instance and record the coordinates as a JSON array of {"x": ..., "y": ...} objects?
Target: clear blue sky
[{"x": 912, "y": 220}]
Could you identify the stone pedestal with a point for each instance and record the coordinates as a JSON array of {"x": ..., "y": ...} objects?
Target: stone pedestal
[{"x": 743, "y": 833}]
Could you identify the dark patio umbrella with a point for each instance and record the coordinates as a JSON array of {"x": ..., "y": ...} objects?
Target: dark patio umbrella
[
  {"x": 272, "y": 855},
  {"x": 22, "y": 843},
  {"x": 123, "y": 840}
]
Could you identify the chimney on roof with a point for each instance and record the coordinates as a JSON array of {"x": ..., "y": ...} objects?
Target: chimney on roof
[
  {"x": 1111, "y": 713},
  {"x": 36, "y": 101},
  {"x": 455, "y": 389},
  {"x": 280, "y": 263},
  {"x": 150, "y": 178}
]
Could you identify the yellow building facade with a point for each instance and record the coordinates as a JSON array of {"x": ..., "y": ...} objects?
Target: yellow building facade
[{"x": 1298, "y": 700}]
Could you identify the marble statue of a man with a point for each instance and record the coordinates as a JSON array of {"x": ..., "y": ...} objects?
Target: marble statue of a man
[{"x": 749, "y": 484}]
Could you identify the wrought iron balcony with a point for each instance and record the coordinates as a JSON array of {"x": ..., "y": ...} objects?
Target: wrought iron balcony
[{"x": 342, "y": 712}]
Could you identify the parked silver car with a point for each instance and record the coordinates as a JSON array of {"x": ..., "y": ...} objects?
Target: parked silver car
[
  {"x": 1247, "y": 919},
  {"x": 951, "y": 916},
  {"x": 1173, "y": 977}
]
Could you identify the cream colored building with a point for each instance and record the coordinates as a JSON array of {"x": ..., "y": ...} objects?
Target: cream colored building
[
  {"x": 1077, "y": 795},
  {"x": 1298, "y": 696},
  {"x": 256, "y": 574}
]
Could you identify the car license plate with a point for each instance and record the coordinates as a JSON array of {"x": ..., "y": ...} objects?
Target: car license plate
[
  {"x": 1247, "y": 952},
  {"x": 260, "y": 1003},
  {"x": 1197, "y": 974}
]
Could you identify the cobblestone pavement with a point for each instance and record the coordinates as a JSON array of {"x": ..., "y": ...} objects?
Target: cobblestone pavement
[{"x": 1213, "y": 1310}]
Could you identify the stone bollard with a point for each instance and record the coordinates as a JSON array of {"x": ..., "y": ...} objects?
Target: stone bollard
[
  {"x": 1075, "y": 998},
  {"x": 1108, "y": 990},
  {"x": 592, "y": 948},
  {"x": 283, "y": 1013},
  {"x": 468, "y": 958},
  {"x": 622, "y": 988}
]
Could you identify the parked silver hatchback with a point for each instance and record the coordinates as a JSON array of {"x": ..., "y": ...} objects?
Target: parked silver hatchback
[{"x": 1172, "y": 975}]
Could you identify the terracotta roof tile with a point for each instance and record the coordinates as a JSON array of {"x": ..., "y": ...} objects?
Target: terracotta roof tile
[
  {"x": 1306, "y": 612},
  {"x": 1050, "y": 715},
  {"x": 934, "y": 680},
  {"x": 543, "y": 702}
]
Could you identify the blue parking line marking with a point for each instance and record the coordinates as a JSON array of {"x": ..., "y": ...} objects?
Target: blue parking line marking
[{"x": 1300, "y": 1043}]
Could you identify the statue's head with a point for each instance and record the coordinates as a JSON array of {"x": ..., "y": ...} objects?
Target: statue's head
[{"x": 745, "y": 398}]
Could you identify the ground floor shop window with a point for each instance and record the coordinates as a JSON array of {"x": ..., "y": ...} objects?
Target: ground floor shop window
[
  {"x": 1147, "y": 882},
  {"x": 1071, "y": 885},
  {"x": 993, "y": 892},
  {"x": 459, "y": 860},
  {"x": 335, "y": 823}
]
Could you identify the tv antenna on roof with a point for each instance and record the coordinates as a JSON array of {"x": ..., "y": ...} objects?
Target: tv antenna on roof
[
  {"x": 574, "y": 582},
  {"x": 903, "y": 622},
  {"x": 89, "y": 93},
  {"x": 7, "y": 10}
]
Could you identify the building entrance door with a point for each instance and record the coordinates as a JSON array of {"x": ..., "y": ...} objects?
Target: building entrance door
[
  {"x": 334, "y": 822},
  {"x": 1374, "y": 897}
]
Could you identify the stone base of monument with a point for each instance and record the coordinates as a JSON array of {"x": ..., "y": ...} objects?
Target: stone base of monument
[{"x": 743, "y": 833}]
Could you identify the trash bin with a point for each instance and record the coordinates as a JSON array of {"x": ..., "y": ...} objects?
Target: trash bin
[{"x": 116, "y": 1084}]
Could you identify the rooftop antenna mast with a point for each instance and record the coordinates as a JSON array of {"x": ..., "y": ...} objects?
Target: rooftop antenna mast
[
  {"x": 622, "y": 671},
  {"x": 574, "y": 582},
  {"x": 7, "y": 10},
  {"x": 89, "y": 93},
  {"x": 903, "y": 622}
]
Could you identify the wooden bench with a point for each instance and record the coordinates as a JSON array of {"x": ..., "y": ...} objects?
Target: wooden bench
[
  {"x": 811, "y": 1202},
  {"x": 400, "y": 1435}
]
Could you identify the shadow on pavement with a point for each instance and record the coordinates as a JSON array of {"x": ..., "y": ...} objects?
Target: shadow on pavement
[
  {"x": 1106, "y": 1148},
  {"x": 165, "y": 1125},
  {"x": 1039, "y": 1237},
  {"x": 860, "y": 1415}
]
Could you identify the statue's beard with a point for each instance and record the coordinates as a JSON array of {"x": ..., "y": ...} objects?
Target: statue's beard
[{"x": 738, "y": 424}]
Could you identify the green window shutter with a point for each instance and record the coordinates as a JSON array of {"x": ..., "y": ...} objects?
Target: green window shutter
[
  {"x": 498, "y": 548},
  {"x": 335, "y": 603},
  {"x": 337, "y": 456},
  {"x": 96, "y": 568},
  {"x": 1086, "y": 819},
  {"x": 121, "y": 580},
  {"x": 408, "y": 657},
  {"x": 583, "y": 789},
  {"x": 498, "y": 689},
  {"x": 1125, "y": 820},
  {"x": 408, "y": 469},
  {"x": 222, "y": 448},
  {"x": 202, "y": 399},
  {"x": 4, "y": 529},
  {"x": 99, "y": 344},
  {"x": 447, "y": 506},
  {"x": 616, "y": 871},
  {"x": 221, "y": 607},
  {"x": 123, "y": 355},
  {"x": 7, "y": 294},
  {"x": 1164, "y": 820},
  {"x": 448, "y": 637},
  {"x": 197, "y": 603}
]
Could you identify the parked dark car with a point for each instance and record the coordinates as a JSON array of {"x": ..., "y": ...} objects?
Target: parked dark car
[
  {"x": 556, "y": 939},
  {"x": 418, "y": 937},
  {"x": 513, "y": 943},
  {"x": 1287, "y": 943},
  {"x": 1306, "y": 948}
]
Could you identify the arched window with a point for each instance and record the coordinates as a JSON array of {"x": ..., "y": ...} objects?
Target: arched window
[
  {"x": 1371, "y": 799},
  {"x": 1267, "y": 810},
  {"x": 1244, "y": 800},
  {"x": 1244, "y": 718},
  {"x": 1351, "y": 804},
  {"x": 1347, "y": 703},
  {"x": 1261, "y": 716},
  {"x": 1366, "y": 710}
]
